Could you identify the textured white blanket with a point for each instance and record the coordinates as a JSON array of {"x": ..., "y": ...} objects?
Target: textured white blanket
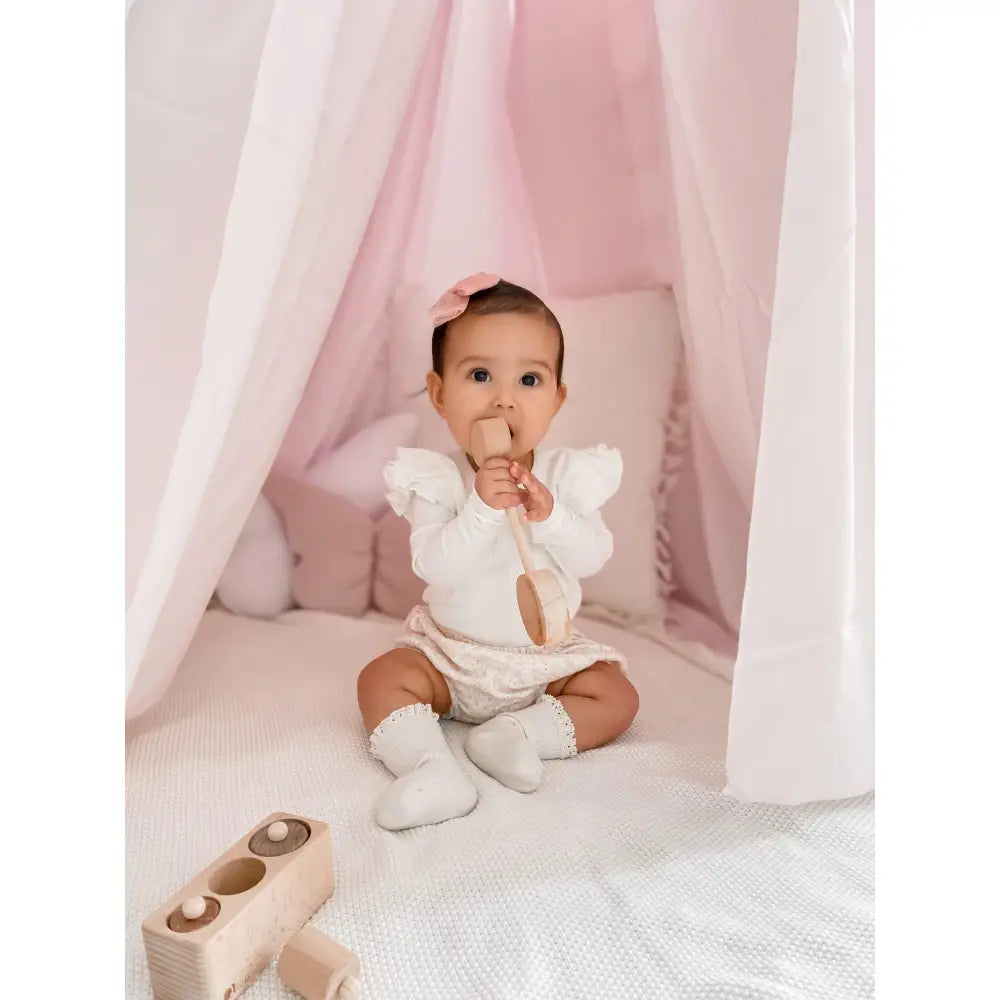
[{"x": 627, "y": 875}]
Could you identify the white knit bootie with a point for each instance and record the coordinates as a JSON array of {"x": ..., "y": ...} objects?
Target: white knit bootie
[
  {"x": 512, "y": 746},
  {"x": 430, "y": 785}
]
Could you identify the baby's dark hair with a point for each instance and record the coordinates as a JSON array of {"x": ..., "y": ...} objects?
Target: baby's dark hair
[{"x": 503, "y": 297}]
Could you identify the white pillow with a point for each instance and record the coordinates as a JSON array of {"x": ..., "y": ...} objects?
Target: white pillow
[
  {"x": 622, "y": 357},
  {"x": 257, "y": 579}
]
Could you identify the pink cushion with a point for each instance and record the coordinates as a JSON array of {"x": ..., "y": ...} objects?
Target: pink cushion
[
  {"x": 333, "y": 542},
  {"x": 396, "y": 588},
  {"x": 346, "y": 562}
]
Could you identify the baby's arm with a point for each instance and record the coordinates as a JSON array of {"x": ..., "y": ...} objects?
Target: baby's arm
[
  {"x": 449, "y": 548},
  {"x": 581, "y": 545}
]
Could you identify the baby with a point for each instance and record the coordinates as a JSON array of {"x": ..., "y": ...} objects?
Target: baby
[{"x": 497, "y": 350}]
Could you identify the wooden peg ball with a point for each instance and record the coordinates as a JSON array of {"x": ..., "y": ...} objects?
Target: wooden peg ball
[
  {"x": 194, "y": 907},
  {"x": 277, "y": 831}
]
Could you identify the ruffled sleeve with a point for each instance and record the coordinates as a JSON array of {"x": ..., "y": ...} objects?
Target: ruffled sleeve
[
  {"x": 426, "y": 474},
  {"x": 585, "y": 479}
]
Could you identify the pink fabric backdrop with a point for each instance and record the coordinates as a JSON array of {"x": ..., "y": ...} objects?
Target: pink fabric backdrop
[
  {"x": 586, "y": 107},
  {"x": 474, "y": 212}
]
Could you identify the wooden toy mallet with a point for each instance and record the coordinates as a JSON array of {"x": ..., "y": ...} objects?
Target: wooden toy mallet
[{"x": 539, "y": 597}]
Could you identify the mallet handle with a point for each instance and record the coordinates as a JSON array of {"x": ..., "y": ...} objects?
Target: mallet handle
[{"x": 520, "y": 540}]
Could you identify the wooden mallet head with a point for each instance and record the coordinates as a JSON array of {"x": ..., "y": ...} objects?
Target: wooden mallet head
[{"x": 539, "y": 597}]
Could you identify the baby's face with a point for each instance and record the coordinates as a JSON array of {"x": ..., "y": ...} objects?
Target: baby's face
[{"x": 501, "y": 365}]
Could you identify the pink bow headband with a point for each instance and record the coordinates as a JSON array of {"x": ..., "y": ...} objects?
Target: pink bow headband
[{"x": 452, "y": 304}]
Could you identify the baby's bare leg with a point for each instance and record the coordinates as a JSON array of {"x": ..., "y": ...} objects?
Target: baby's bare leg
[
  {"x": 600, "y": 700},
  {"x": 398, "y": 694},
  {"x": 397, "y": 678}
]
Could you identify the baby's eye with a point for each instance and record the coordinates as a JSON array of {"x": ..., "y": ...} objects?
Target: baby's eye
[
  {"x": 531, "y": 380},
  {"x": 480, "y": 374}
]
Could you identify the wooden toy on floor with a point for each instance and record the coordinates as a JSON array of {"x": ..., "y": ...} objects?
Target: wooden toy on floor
[
  {"x": 539, "y": 597},
  {"x": 212, "y": 938}
]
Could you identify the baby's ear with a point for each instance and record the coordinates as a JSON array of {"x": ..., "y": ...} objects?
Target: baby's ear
[
  {"x": 560, "y": 396},
  {"x": 435, "y": 390}
]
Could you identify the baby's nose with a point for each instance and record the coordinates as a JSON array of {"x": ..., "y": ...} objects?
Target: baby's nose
[{"x": 504, "y": 398}]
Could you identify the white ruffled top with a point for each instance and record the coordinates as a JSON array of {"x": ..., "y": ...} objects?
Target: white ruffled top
[{"x": 464, "y": 550}]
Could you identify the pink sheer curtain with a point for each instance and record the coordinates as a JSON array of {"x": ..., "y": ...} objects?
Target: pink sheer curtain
[
  {"x": 727, "y": 73},
  {"x": 344, "y": 390},
  {"x": 474, "y": 212},
  {"x": 586, "y": 108},
  {"x": 452, "y": 203}
]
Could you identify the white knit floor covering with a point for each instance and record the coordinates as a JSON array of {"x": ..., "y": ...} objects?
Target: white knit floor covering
[{"x": 626, "y": 875}]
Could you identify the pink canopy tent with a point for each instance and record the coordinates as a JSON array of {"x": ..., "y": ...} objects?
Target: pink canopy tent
[{"x": 293, "y": 162}]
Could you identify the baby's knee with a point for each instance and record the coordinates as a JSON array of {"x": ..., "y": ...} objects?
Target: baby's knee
[
  {"x": 386, "y": 670},
  {"x": 396, "y": 669},
  {"x": 619, "y": 694}
]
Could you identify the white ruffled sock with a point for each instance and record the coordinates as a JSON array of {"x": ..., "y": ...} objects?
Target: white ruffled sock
[
  {"x": 430, "y": 785},
  {"x": 512, "y": 746}
]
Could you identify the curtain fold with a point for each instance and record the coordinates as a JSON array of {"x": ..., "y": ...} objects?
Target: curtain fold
[{"x": 801, "y": 720}]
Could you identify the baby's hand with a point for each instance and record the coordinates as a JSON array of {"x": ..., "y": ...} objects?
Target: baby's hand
[
  {"x": 495, "y": 484},
  {"x": 536, "y": 497}
]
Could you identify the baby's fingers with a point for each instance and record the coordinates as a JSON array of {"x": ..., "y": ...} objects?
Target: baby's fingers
[
  {"x": 524, "y": 477},
  {"x": 501, "y": 480},
  {"x": 505, "y": 489}
]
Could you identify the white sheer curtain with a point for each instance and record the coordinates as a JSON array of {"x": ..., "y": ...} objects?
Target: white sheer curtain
[
  {"x": 801, "y": 723},
  {"x": 310, "y": 100}
]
